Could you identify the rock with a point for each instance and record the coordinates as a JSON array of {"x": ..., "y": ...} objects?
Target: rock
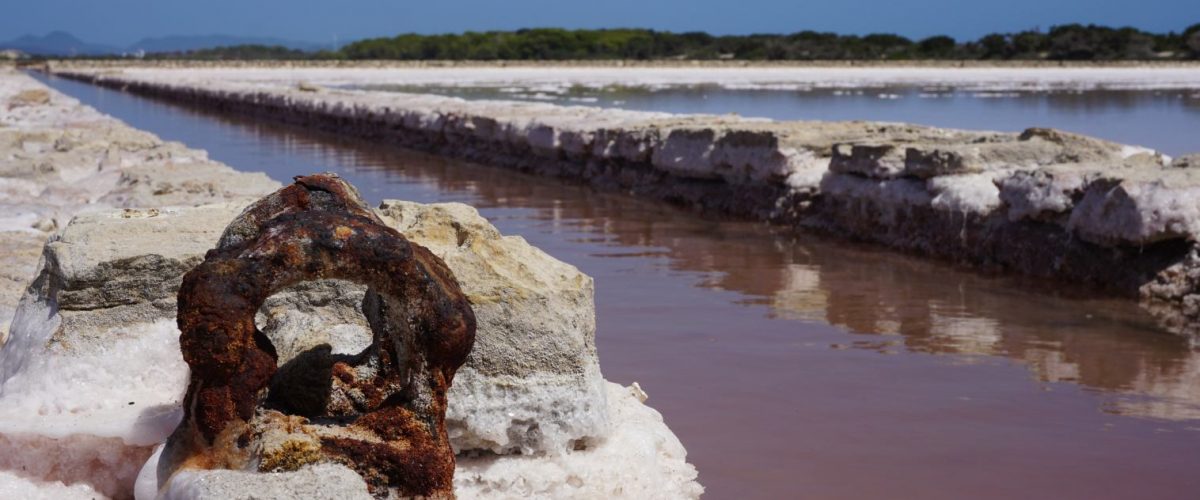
[
  {"x": 973, "y": 193},
  {"x": 1139, "y": 207},
  {"x": 1075, "y": 148},
  {"x": 883, "y": 161},
  {"x": 505, "y": 399},
  {"x": 318, "y": 482},
  {"x": 1186, "y": 161},
  {"x": 641, "y": 459},
  {"x": 687, "y": 153},
  {"x": 109, "y": 270},
  {"x": 185, "y": 182},
  {"x": 927, "y": 161},
  {"x": 18, "y": 265},
  {"x": 1044, "y": 194},
  {"x": 30, "y": 97},
  {"x": 936, "y": 157}
]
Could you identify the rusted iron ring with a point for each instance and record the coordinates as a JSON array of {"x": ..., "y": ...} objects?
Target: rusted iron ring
[{"x": 318, "y": 228}]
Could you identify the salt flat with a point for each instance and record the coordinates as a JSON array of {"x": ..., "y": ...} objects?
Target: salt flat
[{"x": 766, "y": 78}]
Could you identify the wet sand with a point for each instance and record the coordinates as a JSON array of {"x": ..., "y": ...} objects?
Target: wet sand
[{"x": 792, "y": 366}]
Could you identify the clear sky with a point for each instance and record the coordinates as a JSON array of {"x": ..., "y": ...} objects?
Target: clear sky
[{"x": 121, "y": 22}]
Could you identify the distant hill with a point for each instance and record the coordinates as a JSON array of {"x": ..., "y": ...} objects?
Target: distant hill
[
  {"x": 61, "y": 43},
  {"x": 183, "y": 43},
  {"x": 57, "y": 43}
]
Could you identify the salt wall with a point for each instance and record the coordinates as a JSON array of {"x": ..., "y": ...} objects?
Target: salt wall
[{"x": 1116, "y": 219}]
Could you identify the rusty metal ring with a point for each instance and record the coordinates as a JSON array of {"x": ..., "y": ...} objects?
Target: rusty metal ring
[{"x": 318, "y": 228}]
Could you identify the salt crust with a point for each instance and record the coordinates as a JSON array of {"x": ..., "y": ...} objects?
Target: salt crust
[
  {"x": 128, "y": 391},
  {"x": 557, "y": 80},
  {"x": 18, "y": 487},
  {"x": 639, "y": 459},
  {"x": 506, "y": 414}
]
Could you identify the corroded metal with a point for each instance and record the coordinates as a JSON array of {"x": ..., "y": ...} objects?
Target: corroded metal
[{"x": 380, "y": 412}]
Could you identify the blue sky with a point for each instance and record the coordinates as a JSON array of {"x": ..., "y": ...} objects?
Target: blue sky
[{"x": 125, "y": 21}]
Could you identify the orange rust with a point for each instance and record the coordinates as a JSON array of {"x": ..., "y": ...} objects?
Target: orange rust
[{"x": 318, "y": 228}]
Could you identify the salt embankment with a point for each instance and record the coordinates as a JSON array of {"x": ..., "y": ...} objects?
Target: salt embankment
[
  {"x": 1111, "y": 218},
  {"x": 91, "y": 375},
  {"x": 552, "y": 76}
]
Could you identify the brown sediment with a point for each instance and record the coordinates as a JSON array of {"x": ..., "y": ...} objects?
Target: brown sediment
[{"x": 319, "y": 228}]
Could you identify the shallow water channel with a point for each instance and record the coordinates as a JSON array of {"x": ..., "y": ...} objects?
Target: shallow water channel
[{"x": 793, "y": 366}]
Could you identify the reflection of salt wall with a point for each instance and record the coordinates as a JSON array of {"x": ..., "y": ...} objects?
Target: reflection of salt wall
[
  {"x": 1173, "y": 396},
  {"x": 800, "y": 295},
  {"x": 1051, "y": 365},
  {"x": 964, "y": 335}
]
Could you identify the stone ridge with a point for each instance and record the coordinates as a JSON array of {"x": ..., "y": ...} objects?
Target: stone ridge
[{"x": 1114, "y": 219}]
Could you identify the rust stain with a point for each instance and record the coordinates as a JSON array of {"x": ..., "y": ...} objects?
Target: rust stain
[{"x": 390, "y": 422}]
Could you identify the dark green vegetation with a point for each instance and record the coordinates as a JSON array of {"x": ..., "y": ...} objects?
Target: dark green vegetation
[
  {"x": 1073, "y": 42},
  {"x": 1070, "y": 42},
  {"x": 241, "y": 52}
]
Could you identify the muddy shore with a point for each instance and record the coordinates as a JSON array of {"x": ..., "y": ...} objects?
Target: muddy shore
[{"x": 1115, "y": 219}]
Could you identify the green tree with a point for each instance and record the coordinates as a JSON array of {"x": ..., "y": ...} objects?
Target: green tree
[{"x": 937, "y": 47}]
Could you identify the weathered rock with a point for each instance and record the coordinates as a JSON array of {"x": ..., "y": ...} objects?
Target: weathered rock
[
  {"x": 535, "y": 349},
  {"x": 959, "y": 154},
  {"x": 109, "y": 270},
  {"x": 18, "y": 263},
  {"x": 30, "y": 97},
  {"x": 1186, "y": 161},
  {"x": 882, "y": 161},
  {"x": 1044, "y": 194},
  {"x": 176, "y": 182},
  {"x": 640, "y": 458},
  {"x": 967, "y": 194},
  {"x": 1139, "y": 207},
  {"x": 319, "y": 482}
]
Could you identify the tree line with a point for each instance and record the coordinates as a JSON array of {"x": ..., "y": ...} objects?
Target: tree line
[{"x": 1072, "y": 42}]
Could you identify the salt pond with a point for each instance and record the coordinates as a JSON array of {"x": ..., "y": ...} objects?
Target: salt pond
[{"x": 803, "y": 367}]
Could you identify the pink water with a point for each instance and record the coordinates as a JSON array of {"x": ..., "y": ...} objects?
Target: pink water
[{"x": 798, "y": 367}]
